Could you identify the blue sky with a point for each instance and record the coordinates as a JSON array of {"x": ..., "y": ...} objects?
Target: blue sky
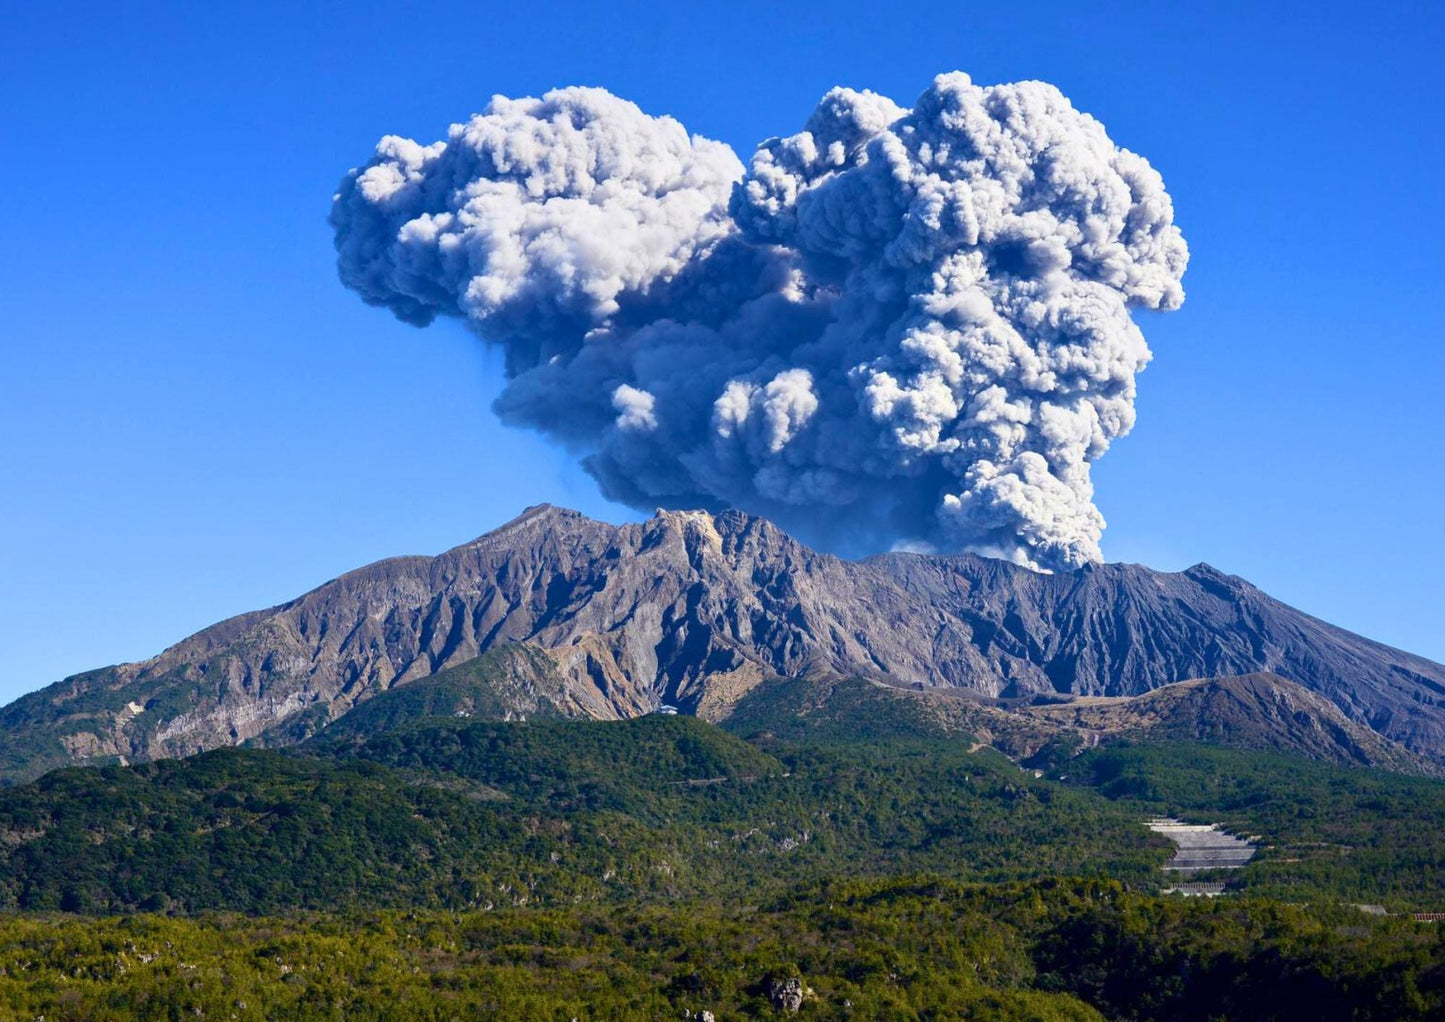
[{"x": 199, "y": 420}]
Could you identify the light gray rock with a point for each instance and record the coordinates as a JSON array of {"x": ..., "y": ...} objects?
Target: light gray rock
[{"x": 786, "y": 994}]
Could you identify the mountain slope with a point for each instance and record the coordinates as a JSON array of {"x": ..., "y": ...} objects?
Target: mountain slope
[
  {"x": 695, "y": 609},
  {"x": 1260, "y": 712},
  {"x": 513, "y": 682},
  {"x": 458, "y": 813},
  {"x": 1255, "y": 711}
]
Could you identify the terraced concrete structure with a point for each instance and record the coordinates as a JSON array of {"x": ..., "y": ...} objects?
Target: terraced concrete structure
[{"x": 1201, "y": 846}]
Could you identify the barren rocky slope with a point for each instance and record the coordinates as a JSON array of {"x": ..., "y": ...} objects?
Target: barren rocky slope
[{"x": 694, "y": 609}]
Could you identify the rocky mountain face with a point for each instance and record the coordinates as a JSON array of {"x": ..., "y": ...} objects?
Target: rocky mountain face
[{"x": 694, "y": 610}]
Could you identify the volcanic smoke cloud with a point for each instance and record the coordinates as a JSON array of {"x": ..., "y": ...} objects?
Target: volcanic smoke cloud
[{"x": 905, "y": 328}]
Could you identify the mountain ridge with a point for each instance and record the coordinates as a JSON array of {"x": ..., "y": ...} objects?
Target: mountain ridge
[
  {"x": 1255, "y": 712},
  {"x": 694, "y": 609}
]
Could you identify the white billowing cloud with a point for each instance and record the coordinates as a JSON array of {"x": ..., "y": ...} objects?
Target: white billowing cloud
[
  {"x": 634, "y": 408},
  {"x": 534, "y": 211},
  {"x": 895, "y": 329}
]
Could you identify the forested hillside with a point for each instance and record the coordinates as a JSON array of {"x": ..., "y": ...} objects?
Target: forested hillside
[
  {"x": 456, "y": 814},
  {"x": 462, "y": 815},
  {"x": 1350, "y": 834}
]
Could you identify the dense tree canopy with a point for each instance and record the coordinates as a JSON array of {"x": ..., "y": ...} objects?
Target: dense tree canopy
[{"x": 554, "y": 869}]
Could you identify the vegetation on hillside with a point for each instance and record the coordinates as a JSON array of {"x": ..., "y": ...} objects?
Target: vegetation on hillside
[
  {"x": 452, "y": 814},
  {"x": 649, "y": 867},
  {"x": 901, "y": 949},
  {"x": 460, "y": 814},
  {"x": 513, "y": 680},
  {"x": 1326, "y": 832},
  {"x": 849, "y": 710}
]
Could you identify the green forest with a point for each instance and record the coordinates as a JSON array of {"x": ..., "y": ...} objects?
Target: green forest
[
  {"x": 643, "y": 869},
  {"x": 899, "y": 949}
]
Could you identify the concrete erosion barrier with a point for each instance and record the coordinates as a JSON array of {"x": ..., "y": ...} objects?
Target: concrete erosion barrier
[{"x": 1201, "y": 846}]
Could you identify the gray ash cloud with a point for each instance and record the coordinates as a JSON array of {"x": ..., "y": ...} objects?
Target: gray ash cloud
[{"x": 896, "y": 328}]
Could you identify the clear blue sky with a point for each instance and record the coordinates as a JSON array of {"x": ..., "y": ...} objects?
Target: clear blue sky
[{"x": 198, "y": 420}]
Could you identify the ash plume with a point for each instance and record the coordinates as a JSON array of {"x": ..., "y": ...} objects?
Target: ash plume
[{"x": 897, "y": 328}]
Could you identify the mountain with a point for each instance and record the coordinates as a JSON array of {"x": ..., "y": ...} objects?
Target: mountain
[
  {"x": 1255, "y": 711},
  {"x": 694, "y": 610},
  {"x": 1261, "y": 712},
  {"x": 516, "y": 681}
]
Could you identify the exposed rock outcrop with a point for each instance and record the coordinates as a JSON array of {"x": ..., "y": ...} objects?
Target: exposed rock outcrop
[{"x": 786, "y": 993}]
